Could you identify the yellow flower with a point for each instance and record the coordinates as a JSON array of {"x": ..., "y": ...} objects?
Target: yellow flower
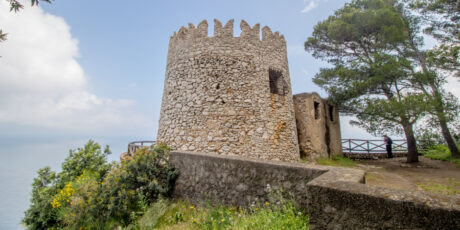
[
  {"x": 223, "y": 220},
  {"x": 266, "y": 203},
  {"x": 192, "y": 207}
]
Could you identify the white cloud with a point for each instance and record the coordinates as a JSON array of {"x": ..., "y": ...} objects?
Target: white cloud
[
  {"x": 41, "y": 82},
  {"x": 311, "y": 5},
  {"x": 453, "y": 86}
]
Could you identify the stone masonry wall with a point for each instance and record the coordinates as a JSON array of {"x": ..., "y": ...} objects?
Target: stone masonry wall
[
  {"x": 335, "y": 143},
  {"x": 238, "y": 181},
  {"x": 340, "y": 204},
  {"x": 318, "y": 134},
  {"x": 229, "y": 95},
  {"x": 334, "y": 197}
]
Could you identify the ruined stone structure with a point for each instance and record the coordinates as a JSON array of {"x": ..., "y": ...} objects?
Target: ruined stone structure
[
  {"x": 318, "y": 126},
  {"x": 229, "y": 95}
]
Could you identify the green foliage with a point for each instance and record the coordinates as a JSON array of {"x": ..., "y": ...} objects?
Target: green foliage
[
  {"x": 358, "y": 40},
  {"x": 382, "y": 116},
  {"x": 41, "y": 214},
  {"x": 15, "y": 6},
  {"x": 2, "y": 36},
  {"x": 355, "y": 30},
  {"x": 445, "y": 57},
  {"x": 337, "y": 161},
  {"x": 442, "y": 16},
  {"x": 441, "y": 152},
  {"x": 137, "y": 182},
  {"x": 89, "y": 158},
  {"x": 152, "y": 215},
  {"x": 90, "y": 193},
  {"x": 371, "y": 45},
  {"x": 276, "y": 213},
  {"x": 48, "y": 186}
]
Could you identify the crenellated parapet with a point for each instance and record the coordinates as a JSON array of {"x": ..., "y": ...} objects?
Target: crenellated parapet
[
  {"x": 226, "y": 31},
  {"x": 248, "y": 33}
]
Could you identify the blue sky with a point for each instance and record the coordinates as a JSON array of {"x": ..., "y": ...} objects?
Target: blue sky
[{"x": 91, "y": 69}]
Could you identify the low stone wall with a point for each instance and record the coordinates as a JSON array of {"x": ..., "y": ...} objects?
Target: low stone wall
[
  {"x": 238, "y": 181},
  {"x": 336, "y": 204},
  {"x": 335, "y": 198}
]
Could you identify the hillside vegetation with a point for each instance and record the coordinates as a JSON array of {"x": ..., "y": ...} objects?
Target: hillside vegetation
[{"x": 91, "y": 193}]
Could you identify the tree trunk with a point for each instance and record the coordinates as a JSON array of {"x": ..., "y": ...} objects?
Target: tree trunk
[
  {"x": 412, "y": 153},
  {"x": 439, "y": 107},
  {"x": 447, "y": 136}
]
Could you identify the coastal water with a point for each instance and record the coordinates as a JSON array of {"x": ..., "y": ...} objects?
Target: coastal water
[{"x": 21, "y": 158}]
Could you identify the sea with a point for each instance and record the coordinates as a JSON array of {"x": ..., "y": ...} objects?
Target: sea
[{"x": 20, "y": 159}]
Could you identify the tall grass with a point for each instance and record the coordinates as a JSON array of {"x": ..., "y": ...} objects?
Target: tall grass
[{"x": 276, "y": 213}]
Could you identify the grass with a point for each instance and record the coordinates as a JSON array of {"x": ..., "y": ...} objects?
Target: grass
[
  {"x": 441, "y": 152},
  {"x": 277, "y": 213},
  {"x": 438, "y": 188},
  {"x": 337, "y": 161}
]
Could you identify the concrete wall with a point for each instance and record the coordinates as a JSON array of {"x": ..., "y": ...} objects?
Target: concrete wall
[
  {"x": 335, "y": 198},
  {"x": 217, "y": 96},
  {"x": 318, "y": 134}
]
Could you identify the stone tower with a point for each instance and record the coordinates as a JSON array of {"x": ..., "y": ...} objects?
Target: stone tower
[{"x": 229, "y": 95}]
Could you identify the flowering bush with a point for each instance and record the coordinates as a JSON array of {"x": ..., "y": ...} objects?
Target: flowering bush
[
  {"x": 137, "y": 182},
  {"x": 90, "y": 193}
]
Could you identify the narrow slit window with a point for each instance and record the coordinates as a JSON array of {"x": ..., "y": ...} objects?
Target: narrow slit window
[
  {"x": 316, "y": 106},
  {"x": 331, "y": 113},
  {"x": 277, "y": 83}
]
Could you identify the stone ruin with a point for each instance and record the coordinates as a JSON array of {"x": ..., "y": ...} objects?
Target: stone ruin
[{"x": 232, "y": 96}]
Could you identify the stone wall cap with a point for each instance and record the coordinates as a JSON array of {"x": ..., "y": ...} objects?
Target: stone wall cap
[{"x": 254, "y": 160}]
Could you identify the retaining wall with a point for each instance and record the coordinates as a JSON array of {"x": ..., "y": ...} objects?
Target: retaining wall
[{"x": 335, "y": 198}]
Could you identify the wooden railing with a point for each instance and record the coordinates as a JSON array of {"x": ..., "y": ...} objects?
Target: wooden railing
[
  {"x": 356, "y": 146},
  {"x": 136, "y": 145}
]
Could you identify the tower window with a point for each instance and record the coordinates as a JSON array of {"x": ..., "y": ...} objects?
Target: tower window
[
  {"x": 277, "y": 83},
  {"x": 331, "y": 113},
  {"x": 316, "y": 106}
]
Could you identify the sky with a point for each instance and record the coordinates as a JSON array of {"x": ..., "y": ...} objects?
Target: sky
[{"x": 90, "y": 69}]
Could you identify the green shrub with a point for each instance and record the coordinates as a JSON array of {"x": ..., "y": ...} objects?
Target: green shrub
[
  {"x": 41, "y": 214},
  {"x": 441, "y": 152},
  {"x": 48, "y": 185},
  {"x": 138, "y": 182},
  {"x": 90, "y": 193}
]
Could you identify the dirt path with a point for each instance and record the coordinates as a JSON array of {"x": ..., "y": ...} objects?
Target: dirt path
[{"x": 427, "y": 175}]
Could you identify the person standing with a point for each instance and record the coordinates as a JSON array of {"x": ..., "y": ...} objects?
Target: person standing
[{"x": 388, "y": 142}]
